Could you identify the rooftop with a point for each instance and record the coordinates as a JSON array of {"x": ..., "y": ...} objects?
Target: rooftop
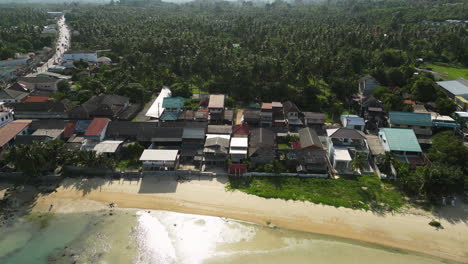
[
  {"x": 216, "y": 101},
  {"x": 352, "y": 120},
  {"x": 219, "y": 129},
  {"x": 455, "y": 87},
  {"x": 309, "y": 138},
  {"x": 36, "y": 99},
  {"x": 239, "y": 142},
  {"x": 267, "y": 106},
  {"x": 400, "y": 139},
  {"x": 9, "y": 131},
  {"x": 345, "y": 133},
  {"x": 173, "y": 102},
  {"x": 156, "y": 108},
  {"x": 97, "y": 126},
  {"x": 408, "y": 118},
  {"x": 107, "y": 146},
  {"x": 159, "y": 155}
]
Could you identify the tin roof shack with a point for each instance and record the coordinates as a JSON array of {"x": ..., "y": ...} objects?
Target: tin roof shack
[
  {"x": 219, "y": 129},
  {"x": 242, "y": 130},
  {"x": 109, "y": 106},
  {"x": 160, "y": 159},
  {"x": 216, "y": 108},
  {"x": 421, "y": 123},
  {"x": 309, "y": 139},
  {"x": 96, "y": 132},
  {"x": 173, "y": 107},
  {"x": 310, "y": 161},
  {"x": 109, "y": 148}
]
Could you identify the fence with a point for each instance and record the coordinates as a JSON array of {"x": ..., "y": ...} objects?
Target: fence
[{"x": 267, "y": 174}]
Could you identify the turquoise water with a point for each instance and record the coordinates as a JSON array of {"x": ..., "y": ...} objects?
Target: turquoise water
[{"x": 140, "y": 237}]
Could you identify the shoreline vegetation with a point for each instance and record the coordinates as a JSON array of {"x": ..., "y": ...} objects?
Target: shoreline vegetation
[{"x": 208, "y": 196}]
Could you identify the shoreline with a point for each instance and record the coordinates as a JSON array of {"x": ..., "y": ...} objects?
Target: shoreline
[{"x": 207, "y": 196}]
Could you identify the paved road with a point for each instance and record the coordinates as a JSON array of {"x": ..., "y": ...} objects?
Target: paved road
[{"x": 62, "y": 44}]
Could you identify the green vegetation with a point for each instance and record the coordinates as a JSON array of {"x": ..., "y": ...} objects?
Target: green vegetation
[
  {"x": 20, "y": 31},
  {"x": 448, "y": 72},
  {"x": 436, "y": 224},
  {"x": 284, "y": 146},
  {"x": 366, "y": 192}
]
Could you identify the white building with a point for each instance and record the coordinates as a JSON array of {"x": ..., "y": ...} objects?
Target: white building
[
  {"x": 89, "y": 56},
  {"x": 6, "y": 114},
  {"x": 353, "y": 122},
  {"x": 238, "y": 149},
  {"x": 160, "y": 159}
]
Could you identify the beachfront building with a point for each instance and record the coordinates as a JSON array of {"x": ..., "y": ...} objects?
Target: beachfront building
[
  {"x": 108, "y": 148},
  {"x": 261, "y": 146},
  {"x": 216, "y": 150},
  {"x": 160, "y": 159},
  {"x": 96, "y": 130},
  {"x": 193, "y": 139},
  {"x": 216, "y": 108},
  {"x": 343, "y": 146},
  {"x": 421, "y": 123},
  {"x": 238, "y": 149},
  {"x": 403, "y": 144},
  {"x": 310, "y": 161}
]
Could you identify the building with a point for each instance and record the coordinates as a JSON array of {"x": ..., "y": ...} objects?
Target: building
[
  {"x": 353, "y": 122},
  {"x": 42, "y": 110},
  {"x": 216, "y": 150},
  {"x": 278, "y": 114},
  {"x": 6, "y": 114},
  {"x": 156, "y": 109},
  {"x": 19, "y": 60},
  {"x": 252, "y": 117},
  {"x": 314, "y": 120},
  {"x": 104, "y": 61},
  {"x": 372, "y": 110},
  {"x": 421, "y": 123},
  {"x": 97, "y": 129},
  {"x": 160, "y": 159},
  {"x": 228, "y": 117},
  {"x": 109, "y": 148},
  {"x": 462, "y": 120},
  {"x": 343, "y": 146},
  {"x": 403, "y": 144},
  {"x": 238, "y": 149},
  {"x": 9, "y": 95},
  {"x": 39, "y": 83},
  {"x": 367, "y": 85},
  {"x": 76, "y": 55},
  {"x": 201, "y": 115},
  {"x": 309, "y": 139},
  {"x": 266, "y": 114},
  {"x": 219, "y": 129},
  {"x": 261, "y": 146},
  {"x": 242, "y": 130},
  {"x": 173, "y": 107},
  {"x": 292, "y": 113},
  {"x": 9, "y": 132},
  {"x": 193, "y": 140},
  {"x": 216, "y": 108},
  {"x": 310, "y": 161},
  {"x": 110, "y": 106},
  {"x": 457, "y": 90}
]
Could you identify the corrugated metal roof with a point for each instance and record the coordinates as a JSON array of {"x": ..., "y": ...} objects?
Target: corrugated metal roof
[
  {"x": 400, "y": 139},
  {"x": 216, "y": 101},
  {"x": 413, "y": 119},
  {"x": 9, "y": 131},
  {"x": 108, "y": 146},
  {"x": 159, "y": 154},
  {"x": 455, "y": 87},
  {"x": 173, "y": 102},
  {"x": 97, "y": 126}
]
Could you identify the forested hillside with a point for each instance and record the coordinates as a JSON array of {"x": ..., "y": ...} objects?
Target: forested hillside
[{"x": 311, "y": 54}]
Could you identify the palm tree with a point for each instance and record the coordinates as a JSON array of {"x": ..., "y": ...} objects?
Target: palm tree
[{"x": 359, "y": 162}]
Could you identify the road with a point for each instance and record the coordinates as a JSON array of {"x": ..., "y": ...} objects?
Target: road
[{"x": 62, "y": 44}]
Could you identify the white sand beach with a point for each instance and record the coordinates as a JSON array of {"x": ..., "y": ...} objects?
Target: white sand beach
[{"x": 207, "y": 196}]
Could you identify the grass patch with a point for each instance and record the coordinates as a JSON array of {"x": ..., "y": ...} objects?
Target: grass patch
[
  {"x": 40, "y": 219},
  {"x": 127, "y": 164},
  {"x": 367, "y": 192},
  {"x": 448, "y": 72},
  {"x": 284, "y": 146}
]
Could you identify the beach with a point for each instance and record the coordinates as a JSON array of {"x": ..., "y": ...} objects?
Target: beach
[{"x": 207, "y": 196}]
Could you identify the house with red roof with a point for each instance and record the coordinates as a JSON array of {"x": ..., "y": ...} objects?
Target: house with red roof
[
  {"x": 31, "y": 99},
  {"x": 97, "y": 129},
  {"x": 242, "y": 130},
  {"x": 9, "y": 132}
]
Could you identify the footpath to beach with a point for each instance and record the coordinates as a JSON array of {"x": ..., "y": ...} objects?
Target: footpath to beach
[{"x": 207, "y": 196}]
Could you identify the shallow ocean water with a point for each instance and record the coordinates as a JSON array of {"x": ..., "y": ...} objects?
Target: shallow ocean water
[{"x": 153, "y": 237}]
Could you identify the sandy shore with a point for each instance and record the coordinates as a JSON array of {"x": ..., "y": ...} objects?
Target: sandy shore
[{"x": 408, "y": 231}]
